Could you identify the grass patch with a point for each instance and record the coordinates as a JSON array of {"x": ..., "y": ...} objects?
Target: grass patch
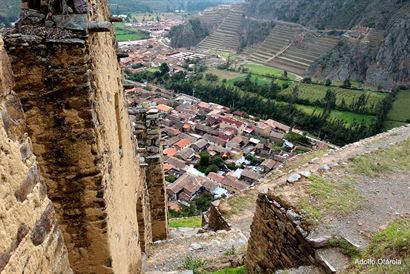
[
  {"x": 195, "y": 221},
  {"x": 346, "y": 116},
  {"x": 393, "y": 242},
  {"x": 267, "y": 71},
  {"x": 195, "y": 264},
  {"x": 326, "y": 197},
  {"x": 400, "y": 111},
  {"x": 241, "y": 202},
  {"x": 225, "y": 74},
  {"x": 230, "y": 252},
  {"x": 383, "y": 161},
  {"x": 124, "y": 33},
  {"x": 345, "y": 247},
  {"x": 153, "y": 69},
  {"x": 237, "y": 270},
  {"x": 315, "y": 92}
]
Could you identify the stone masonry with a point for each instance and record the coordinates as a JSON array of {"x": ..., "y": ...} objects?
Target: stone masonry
[
  {"x": 277, "y": 240},
  {"x": 147, "y": 132},
  {"x": 70, "y": 86},
  {"x": 30, "y": 235}
]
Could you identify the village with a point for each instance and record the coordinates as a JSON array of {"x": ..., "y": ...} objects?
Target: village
[{"x": 209, "y": 148}]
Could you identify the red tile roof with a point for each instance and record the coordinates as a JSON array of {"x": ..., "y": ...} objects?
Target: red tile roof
[{"x": 183, "y": 143}]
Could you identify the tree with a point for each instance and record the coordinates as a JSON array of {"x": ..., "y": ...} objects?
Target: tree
[
  {"x": 211, "y": 77},
  {"x": 347, "y": 84},
  {"x": 164, "y": 68},
  {"x": 285, "y": 74},
  {"x": 328, "y": 82},
  {"x": 204, "y": 159}
]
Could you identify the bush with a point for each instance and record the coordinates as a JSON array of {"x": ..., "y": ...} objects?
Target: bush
[
  {"x": 231, "y": 251},
  {"x": 170, "y": 178},
  {"x": 195, "y": 264}
]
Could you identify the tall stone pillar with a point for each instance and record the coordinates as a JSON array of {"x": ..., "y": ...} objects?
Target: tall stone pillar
[{"x": 148, "y": 134}]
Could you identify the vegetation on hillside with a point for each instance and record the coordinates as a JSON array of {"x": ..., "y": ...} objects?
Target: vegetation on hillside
[
  {"x": 262, "y": 100},
  {"x": 129, "y": 6}
]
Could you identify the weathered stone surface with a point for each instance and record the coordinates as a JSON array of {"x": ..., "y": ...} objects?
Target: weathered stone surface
[
  {"x": 276, "y": 241},
  {"x": 71, "y": 90},
  {"x": 215, "y": 219},
  {"x": 24, "y": 208},
  {"x": 293, "y": 178}
]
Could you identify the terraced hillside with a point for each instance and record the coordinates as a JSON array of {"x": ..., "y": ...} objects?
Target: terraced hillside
[
  {"x": 212, "y": 18},
  {"x": 301, "y": 54},
  {"x": 278, "y": 40},
  {"x": 226, "y": 36},
  {"x": 291, "y": 48}
]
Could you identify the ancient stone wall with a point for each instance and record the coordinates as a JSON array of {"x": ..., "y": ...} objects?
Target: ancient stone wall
[
  {"x": 70, "y": 86},
  {"x": 214, "y": 218},
  {"x": 30, "y": 235},
  {"x": 147, "y": 132},
  {"x": 277, "y": 239}
]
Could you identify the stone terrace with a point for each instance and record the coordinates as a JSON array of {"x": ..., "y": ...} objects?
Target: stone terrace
[
  {"x": 226, "y": 36},
  {"x": 291, "y": 48}
]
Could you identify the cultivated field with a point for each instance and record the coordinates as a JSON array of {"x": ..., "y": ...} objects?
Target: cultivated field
[
  {"x": 314, "y": 92},
  {"x": 126, "y": 34},
  {"x": 347, "y": 116}
]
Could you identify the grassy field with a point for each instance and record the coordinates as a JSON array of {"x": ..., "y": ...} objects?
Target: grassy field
[
  {"x": 233, "y": 76},
  {"x": 348, "y": 117},
  {"x": 225, "y": 74},
  {"x": 238, "y": 270},
  {"x": 266, "y": 71},
  {"x": 153, "y": 69},
  {"x": 400, "y": 111},
  {"x": 125, "y": 34},
  {"x": 195, "y": 221},
  {"x": 314, "y": 92}
]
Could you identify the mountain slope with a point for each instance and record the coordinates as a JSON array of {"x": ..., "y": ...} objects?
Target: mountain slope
[{"x": 379, "y": 57}]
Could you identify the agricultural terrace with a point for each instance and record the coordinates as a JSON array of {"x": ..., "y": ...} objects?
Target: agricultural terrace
[
  {"x": 316, "y": 92},
  {"x": 124, "y": 33}
]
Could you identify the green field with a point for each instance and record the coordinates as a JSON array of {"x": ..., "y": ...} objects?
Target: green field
[
  {"x": 225, "y": 74},
  {"x": 238, "y": 270},
  {"x": 267, "y": 71},
  {"x": 348, "y": 117},
  {"x": 400, "y": 111},
  {"x": 124, "y": 34},
  {"x": 315, "y": 92},
  {"x": 195, "y": 221},
  {"x": 261, "y": 80},
  {"x": 233, "y": 76},
  {"x": 153, "y": 69}
]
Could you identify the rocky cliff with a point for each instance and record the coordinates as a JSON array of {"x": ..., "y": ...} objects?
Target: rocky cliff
[
  {"x": 30, "y": 234},
  {"x": 380, "y": 57}
]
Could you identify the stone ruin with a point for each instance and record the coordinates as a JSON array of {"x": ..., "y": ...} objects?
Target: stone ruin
[{"x": 84, "y": 202}]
